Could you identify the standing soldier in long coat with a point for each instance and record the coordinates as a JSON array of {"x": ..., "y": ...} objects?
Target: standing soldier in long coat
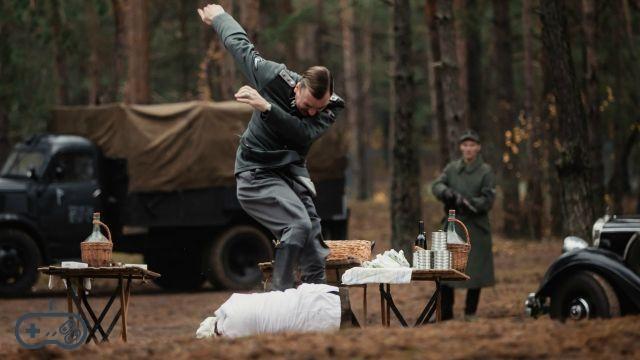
[
  {"x": 291, "y": 111},
  {"x": 467, "y": 185}
]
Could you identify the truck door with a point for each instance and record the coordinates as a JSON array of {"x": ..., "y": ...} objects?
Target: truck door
[{"x": 69, "y": 199}]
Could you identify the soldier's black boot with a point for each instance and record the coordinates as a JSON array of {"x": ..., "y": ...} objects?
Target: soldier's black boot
[{"x": 284, "y": 263}]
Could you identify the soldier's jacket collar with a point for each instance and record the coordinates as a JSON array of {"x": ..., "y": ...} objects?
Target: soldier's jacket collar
[{"x": 469, "y": 168}]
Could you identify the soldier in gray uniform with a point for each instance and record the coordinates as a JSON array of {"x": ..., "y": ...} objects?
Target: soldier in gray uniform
[
  {"x": 273, "y": 183},
  {"x": 468, "y": 186}
]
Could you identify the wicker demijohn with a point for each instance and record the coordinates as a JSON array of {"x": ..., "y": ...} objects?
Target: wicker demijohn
[
  {"x": 460, "y": 252},
  {"x": 97, "y": 253}
]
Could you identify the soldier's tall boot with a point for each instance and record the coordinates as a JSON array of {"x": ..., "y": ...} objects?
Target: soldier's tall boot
[{"x": 284, "y": 263}]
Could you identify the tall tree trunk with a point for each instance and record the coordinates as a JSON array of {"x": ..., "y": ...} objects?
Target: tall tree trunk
[
  {"x": 137, "y": 89},
  {"x": 6, "y": 77},
  {"x": 250, "y": 19},
  {"x": 535, "y": 198},
  {"x": 319, "y": 34},
  {"x": 589, "y": 28},
  {"x": 573, "y": 163},
  {"x": 405, "y": 185},
  {"x": 475, "y": 92},
  {"x": 60, "y": 68},
  {"x": 435, "y": 81},
  {"x": 551, "y": 128},
  {"x": 120, "y": 45},
  {"x": 460, "y": 15},
  {"x": 225, "y": 63},
  {"x": 216, "y": 71},
  {"x": 506, "y": 117},
  {"x": 391, "y": 132},
  {"x": 455, "y": 116},
  {"x": 93, "y": 30},
  {"x": 624, "y": 133},
  {"x": 364, "y": 121},
  {"x": 186, "y": 15},
  {"x": 352, "y": 94}
]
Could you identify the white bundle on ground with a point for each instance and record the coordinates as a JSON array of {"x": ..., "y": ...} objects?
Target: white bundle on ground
[
  {"x": 310, "y": 307},
  {"x": 391, "y": 267}
]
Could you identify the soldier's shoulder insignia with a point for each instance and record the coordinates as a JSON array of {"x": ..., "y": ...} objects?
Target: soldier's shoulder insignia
[
  {"x": 284, "y": 74},
  {"x": 334, "y": 98},
  {"x": 256, "y": 61}
]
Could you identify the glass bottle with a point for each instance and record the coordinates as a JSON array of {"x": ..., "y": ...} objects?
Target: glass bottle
[
  {"x": 452, "y": 235},
  {"x": 96, "y": 234}
]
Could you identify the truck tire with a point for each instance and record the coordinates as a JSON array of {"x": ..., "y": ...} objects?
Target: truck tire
[
  {"x": 179, "y": 271},
  {"x": 234, "y": 255},
  {"x": 19, "y": 261},
  {"x": 584, "y": 295}
]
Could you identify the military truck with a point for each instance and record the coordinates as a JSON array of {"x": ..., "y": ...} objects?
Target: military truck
[{"x": 162, "y": 178}]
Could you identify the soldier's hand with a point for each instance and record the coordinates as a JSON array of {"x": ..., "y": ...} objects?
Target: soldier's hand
[
  {"x": 448, "y": 195},
  {"x": 209, "y": 12},
  {"x": 249, "y": 95}
]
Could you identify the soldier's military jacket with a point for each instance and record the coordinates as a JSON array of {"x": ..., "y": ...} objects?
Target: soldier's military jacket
[
  {"x": 474, "y": 181},
  {"x": 280, "y": 138}
]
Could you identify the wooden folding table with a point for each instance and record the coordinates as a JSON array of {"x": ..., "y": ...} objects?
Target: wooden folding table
[
  {"x": 433, "y": 303},
  {"x": 76, "y": 294}
]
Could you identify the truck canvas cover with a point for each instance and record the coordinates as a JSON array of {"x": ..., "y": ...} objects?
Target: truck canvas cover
[{"x": 181, "y": 146}]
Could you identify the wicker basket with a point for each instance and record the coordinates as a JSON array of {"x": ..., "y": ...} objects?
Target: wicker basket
[
  {"x": 349, "y": 250},
  {"x": 460, "y": 252},
  {"x": 98, "y": 253}
]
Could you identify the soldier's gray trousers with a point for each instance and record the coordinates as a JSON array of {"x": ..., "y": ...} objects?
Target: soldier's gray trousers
[{"x": 286, "y": 208}]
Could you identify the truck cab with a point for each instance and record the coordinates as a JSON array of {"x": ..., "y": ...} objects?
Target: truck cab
[{"x": 48, "y": 190}]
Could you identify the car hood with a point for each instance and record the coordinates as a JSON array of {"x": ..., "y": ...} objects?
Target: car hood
[{"x": 12, "y": 185}]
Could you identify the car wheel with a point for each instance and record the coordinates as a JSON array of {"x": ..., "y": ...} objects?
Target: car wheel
[
  {"x": 233, "y": 257},
  {"x": 19, "y": 260},
  {"x": 585, "y": 295},
  {"x": 178, "y": 270}
]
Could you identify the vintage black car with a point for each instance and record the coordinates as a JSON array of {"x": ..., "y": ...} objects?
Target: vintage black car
[{"x": 602, "y": 280}]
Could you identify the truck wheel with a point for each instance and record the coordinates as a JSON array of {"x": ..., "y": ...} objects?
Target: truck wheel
[
  {"x": 179, "y": 271},
  {"x": 19, "y": 260},
  {"x": 585, "y": 295},
  {"x": 233, "y": 257}
]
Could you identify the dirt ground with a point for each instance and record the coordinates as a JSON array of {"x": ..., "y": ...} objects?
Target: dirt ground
[{"x": 163, "y": 325}]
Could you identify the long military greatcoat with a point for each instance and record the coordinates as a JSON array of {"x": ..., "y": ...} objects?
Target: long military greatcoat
[{"x": 474, "y": 181}]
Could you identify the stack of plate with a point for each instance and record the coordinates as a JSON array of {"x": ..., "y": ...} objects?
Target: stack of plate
[
  {"x": 422, "y": 259},
  {"x": 441, "y": 260},
  {"x": 438, "y": 241}
]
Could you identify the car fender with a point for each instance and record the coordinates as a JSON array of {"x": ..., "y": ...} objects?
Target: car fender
[
  {"x": 603, "y": 262},
  {"x": 27, "y": 225}
]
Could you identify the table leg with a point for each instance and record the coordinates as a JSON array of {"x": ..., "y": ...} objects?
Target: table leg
[
  {"x": 364, "y": 306},
  {"x": 123, "y": 309},
  {"x": 428, "y": 310},
  {"x": 96, "y": 321},
  {"x": 77, "y": 300},
  {"x": 392, "y": 306},
  {"x": 382, "y": 307},
  {"x": 388, "y": 315},
  {"x": 438, "y": 301}
]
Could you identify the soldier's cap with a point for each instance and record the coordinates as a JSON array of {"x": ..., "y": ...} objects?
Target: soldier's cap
[{"x": 469, "y": 135}]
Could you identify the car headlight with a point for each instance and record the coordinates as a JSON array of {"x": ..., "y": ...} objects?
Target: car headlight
[
  {"x": 597, "y": 230},
  {"x": 572, "y": 243}
]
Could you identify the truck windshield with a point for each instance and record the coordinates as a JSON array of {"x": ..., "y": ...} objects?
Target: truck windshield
[{"x": 20, "y": 162}]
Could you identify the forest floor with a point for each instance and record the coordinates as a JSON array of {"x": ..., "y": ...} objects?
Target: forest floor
[{"x": 163, "y": 325}]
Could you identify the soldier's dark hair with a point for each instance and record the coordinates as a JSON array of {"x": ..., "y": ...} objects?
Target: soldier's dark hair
[{"x": 318, "y": 80}]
